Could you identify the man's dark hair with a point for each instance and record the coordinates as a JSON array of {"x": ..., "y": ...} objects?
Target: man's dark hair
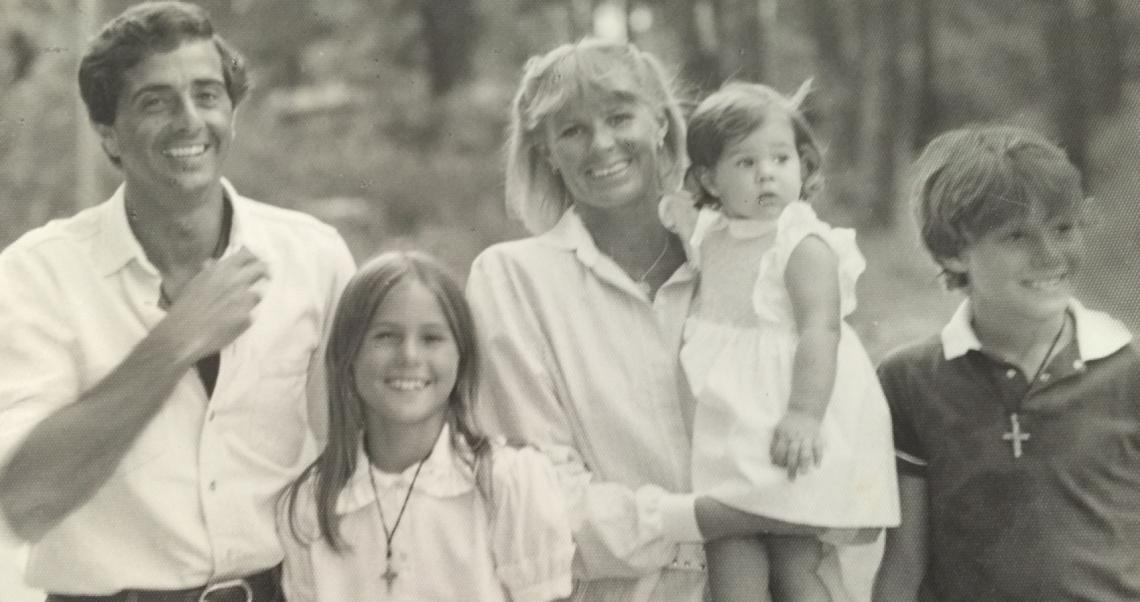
[{"x": 138, "y": 32}]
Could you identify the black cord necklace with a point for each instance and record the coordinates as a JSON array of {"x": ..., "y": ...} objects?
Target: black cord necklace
[
  {"x": 1015, "y": 435},
  {"x": 389, "y": 574}
]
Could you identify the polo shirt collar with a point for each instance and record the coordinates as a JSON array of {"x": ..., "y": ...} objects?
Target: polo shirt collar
[
  {"x": 1098, "y": 334},
  {"x": 444, "y": 474},
  {"x": 119, "y": 245}
]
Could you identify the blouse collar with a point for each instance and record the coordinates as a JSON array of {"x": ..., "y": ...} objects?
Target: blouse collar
[
  {"x": 571, "y": 234},
  {"x": 444, "y": 474}
]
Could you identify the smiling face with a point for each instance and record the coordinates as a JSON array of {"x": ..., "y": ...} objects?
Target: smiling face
[
  {"x": 174, "y": 123},
  {"x": 1023, "y": 270},
  {"x": 758, "y": 175},
  {"x": 606, "y": 151},
  {"x": 408, "y": 361}
]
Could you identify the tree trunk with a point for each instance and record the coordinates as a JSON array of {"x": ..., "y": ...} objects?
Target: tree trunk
[
  {"x": 699, "y": 61},
  {"x": 450, "y": 29},
  {"x": 842, "y": 77},
  {"x": 1068, "y": 86},
  {"x": 1105, "y": 55},
  {"x": 927, "y": 120},
  {"x": 891, "y": 91},
  {"x": 742, "y": 47}
]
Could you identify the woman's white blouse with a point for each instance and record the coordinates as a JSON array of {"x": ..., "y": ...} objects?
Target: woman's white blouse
[
  {"x": 580, "y": 361},
  {"x": 452, "y": 544}
]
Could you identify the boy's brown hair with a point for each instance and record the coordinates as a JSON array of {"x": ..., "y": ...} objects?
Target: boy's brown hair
[{"x": 971, "y": 181}]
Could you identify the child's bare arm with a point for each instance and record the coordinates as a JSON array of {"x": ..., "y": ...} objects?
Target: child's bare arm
[
  {"x": 812, "y": 281},
  {"x": 905, "y": 554}
]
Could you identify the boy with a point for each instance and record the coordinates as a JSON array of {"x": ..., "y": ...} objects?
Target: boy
[{"x": 1017, "y": 430}]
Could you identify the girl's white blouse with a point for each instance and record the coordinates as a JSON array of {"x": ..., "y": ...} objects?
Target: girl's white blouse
[{"x": 452, "y": 543}]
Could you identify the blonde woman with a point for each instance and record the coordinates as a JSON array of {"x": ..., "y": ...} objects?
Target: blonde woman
[{"x": 582, "y": 321}]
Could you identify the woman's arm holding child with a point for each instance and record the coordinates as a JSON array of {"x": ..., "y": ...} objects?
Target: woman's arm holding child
[
  {"x": 812, "y": 281},
  {"x": 905, "y": 555}
]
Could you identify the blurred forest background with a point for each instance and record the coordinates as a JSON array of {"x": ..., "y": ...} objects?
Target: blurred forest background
[{"x": 386, "y": 117}]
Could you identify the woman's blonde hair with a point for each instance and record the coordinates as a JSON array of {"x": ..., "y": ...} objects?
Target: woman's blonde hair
[{"x": 535, "y": 194}]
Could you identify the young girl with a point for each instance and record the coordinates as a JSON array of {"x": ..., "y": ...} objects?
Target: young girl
[
  {"x": 791, "y": 423},
  {"x": 408, "y": 501}
]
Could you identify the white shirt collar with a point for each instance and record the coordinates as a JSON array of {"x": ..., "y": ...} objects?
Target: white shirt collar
[
  {"x": 444, "y": 474},
  {"x": 1098, "y": 334},
  {"x": 119, "y": 245}
]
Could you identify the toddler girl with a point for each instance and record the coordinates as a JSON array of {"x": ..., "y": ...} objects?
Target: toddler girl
[
  {"x": 790, "y": 423},
  {"x": 408, "y": 501}
]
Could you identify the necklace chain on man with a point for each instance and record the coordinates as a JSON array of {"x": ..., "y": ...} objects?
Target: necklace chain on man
[
  {"x": 390, "y": 574},
  {"x": 1016, "y": 436}
]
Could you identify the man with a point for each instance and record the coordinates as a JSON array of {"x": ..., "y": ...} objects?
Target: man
[{"x": 160, "y": 377}]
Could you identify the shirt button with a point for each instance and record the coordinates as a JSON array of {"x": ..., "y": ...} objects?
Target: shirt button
[
  {"x": 213, "y": 485},
  {"x": 1079, "y": 366},
  {"x": 1045, "y": 377},
  {"x": 1010, "y": 373}
]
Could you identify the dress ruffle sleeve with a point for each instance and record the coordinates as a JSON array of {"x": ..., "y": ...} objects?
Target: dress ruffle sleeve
[
  {"x": 531, "y": 536},
  {"x": 797, "y": 221},
  {"x": 679, "y": 214}
]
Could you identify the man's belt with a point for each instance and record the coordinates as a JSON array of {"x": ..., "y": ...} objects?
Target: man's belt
[{"x": 259, "y": 587}]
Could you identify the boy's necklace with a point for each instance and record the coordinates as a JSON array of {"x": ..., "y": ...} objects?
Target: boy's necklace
[
  {"x": 1015, "y": 435},
  {"x": 390, "y": 575}
]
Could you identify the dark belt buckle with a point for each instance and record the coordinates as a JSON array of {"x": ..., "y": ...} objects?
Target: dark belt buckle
[{"x": 222, "y": 588}]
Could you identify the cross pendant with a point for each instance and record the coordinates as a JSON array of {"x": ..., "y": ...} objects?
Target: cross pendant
[
  {"x": 389, "y": 575},
  {"x": 1015, "y": 435}
]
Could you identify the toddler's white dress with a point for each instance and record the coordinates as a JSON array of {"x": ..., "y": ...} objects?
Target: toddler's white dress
[{"x": 738, "y": 354}]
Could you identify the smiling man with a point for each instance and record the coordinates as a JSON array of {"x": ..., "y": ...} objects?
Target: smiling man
[{"x": 160, "y": 379}]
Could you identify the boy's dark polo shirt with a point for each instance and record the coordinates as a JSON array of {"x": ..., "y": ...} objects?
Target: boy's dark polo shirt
[{"x": 1062, "y": 522}]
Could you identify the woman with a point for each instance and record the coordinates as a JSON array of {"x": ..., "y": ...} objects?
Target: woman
[{"x": 582, "y": 322}]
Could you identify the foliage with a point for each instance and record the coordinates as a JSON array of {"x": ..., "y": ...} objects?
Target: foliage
[{"x": 343, "y": 122}]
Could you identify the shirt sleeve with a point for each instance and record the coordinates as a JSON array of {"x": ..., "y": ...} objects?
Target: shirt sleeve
[
  {"x": 340, "y": 266},
  {"x": 532, "y": 544},
  {"x": 620, "y": 531},
  {"x": 893, "y": 376},
  {"x": 38, "y": 374}
]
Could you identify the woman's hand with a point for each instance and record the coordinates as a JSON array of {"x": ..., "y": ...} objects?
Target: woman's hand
[{"x": 797, "y": 444}]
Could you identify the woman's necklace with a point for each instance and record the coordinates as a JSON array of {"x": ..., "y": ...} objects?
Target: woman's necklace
[
  {"x": 390, "y": 575},
  {"x": 642, "y": 283},
  {"x": 1015, "y": 435}
]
